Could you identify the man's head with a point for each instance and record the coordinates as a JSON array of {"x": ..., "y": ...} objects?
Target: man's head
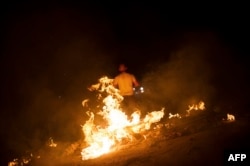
[{"x": 122, "y": 68}]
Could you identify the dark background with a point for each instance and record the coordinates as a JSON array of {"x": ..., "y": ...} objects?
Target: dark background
[{"x": 51, "y": 53}]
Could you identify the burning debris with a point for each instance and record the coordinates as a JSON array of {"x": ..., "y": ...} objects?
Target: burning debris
[
  {"x": 27, "y": 158},
  {"x": 194, "y": 107},
  {"x": 85, "y": 103},
  {"x": 174, "y": 116},
  {"x": 24, "y": 160},
  {"x": 51, "y": 143},
  {"x": 200, "y": 106},
  {"x": 230, "y": 118}
]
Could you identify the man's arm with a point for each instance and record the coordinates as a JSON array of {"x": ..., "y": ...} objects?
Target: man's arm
[{"x": 135, "y": 82}]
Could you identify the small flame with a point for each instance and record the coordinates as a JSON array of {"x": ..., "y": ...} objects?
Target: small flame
[
  {"x": 52, "y": 143},
  {"x": 24, "y": 160},
  {"x": 199, "y": 106},
  {"x": 85, "y": 103},
  {"x": 13, "y": 163},
  {"x": 230, "y": 117},
  {"x": 174, "y": 116}
]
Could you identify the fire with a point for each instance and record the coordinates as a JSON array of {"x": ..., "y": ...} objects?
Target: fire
[
  {"x": 51, "y": 143},
  {"x": 199, "y": 106},
  {"x": 230, "y": 117},
  {"x": 194, "y": 107},
  {"x": 104, "y": 139},
  {"x": 174, "y": 116}
]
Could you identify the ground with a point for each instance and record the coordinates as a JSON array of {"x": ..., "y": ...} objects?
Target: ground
[{"x": 199, "y": 139}]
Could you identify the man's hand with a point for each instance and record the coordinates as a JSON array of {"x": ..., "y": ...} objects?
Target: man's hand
[{"x": 138, "y": 90}]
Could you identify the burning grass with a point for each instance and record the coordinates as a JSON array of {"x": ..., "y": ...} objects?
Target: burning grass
[
  {"x": 123, "y": 139},
  {"x": 120, "y": 127}
]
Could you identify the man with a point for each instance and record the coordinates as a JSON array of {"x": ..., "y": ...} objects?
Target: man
[{"x": 125, "y": 82}]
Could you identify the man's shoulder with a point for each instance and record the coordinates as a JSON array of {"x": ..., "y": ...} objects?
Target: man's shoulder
[
  {"x": 128, "y": 74},
  {"x": 124, "y": 74}
]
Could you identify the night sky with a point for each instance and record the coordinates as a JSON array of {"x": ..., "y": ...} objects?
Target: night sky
[{"x": 52, "y": 52}]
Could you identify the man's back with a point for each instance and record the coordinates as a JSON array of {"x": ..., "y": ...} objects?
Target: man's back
[{"x": 125, "y": 82}]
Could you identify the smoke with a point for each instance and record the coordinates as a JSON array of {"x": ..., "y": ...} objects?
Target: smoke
[
  {"x": 185, "y": 78},
  {"x": 51, "y": 56}
]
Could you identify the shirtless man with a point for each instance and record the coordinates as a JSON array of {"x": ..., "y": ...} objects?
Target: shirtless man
[{"x": 125, "y": 82}]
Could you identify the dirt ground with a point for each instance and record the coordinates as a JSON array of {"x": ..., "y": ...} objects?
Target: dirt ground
[{"x": 200, "y": 139}]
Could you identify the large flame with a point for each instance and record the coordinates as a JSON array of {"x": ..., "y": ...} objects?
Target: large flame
[{"x": 103, "y": 139}]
